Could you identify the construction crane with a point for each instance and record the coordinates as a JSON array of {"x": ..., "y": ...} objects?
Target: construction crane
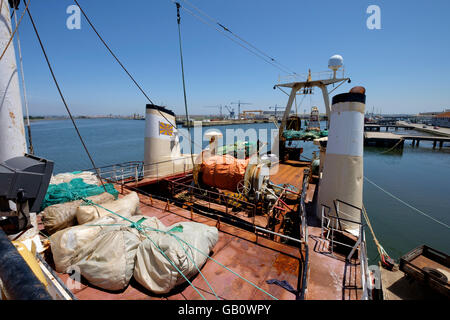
[
  {"x": 276, "y": 108},
  {"x": 239, "y": 106},
  {"x": 231, "y": 111}
]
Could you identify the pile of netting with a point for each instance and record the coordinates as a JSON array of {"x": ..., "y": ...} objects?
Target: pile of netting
[
  {"x": 238, "y": 148},
  {"x": 73, "y": 190},
  {"x": 304, "y": 135}
]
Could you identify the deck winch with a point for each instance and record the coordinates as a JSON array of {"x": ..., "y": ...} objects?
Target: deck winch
[{"x": 247, "y": 177}]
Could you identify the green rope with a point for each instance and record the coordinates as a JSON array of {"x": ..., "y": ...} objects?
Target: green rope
[
  {"x": 139, "y": 228},
  {"x": 177, "y": 229},
  {"x": 168, "y": 259},
  {"x": 220, "y": 264}
]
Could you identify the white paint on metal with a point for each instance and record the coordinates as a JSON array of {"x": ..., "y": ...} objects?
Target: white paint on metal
[
  {"x": 346, "y": 133},
  {"x": 12, "y": 132},
  {"x": 342, "y": 176}
]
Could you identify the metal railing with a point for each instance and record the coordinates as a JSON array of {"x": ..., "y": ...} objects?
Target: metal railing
[
  {"x": 304, "y": 226},
  {"x": 126, "y": 173},
  {"x": 177, "y": 187},
  {"x": 133, "y": 171},
  {"x": 304, "y": 236},
  {"x": 321, "y": 75},
  {"x": 332, "y": 224}
]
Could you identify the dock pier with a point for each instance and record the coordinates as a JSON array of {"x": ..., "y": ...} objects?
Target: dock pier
[
  {"x": 386, "y": 139},
  {"x": 214, "y": 123},
  {"x": 377, "y": 127}
]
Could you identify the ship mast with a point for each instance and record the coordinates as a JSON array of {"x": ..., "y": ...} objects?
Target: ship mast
[{"x": 12, "y": 131}]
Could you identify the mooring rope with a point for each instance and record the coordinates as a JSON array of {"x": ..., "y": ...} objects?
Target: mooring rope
[
  {"x": 380, "y": 248},
  {"x": 407, "y": 204},
  {"x": 400, "y": 141}
]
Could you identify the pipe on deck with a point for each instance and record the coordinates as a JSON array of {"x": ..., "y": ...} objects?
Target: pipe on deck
[{"x": 17, "y": 278}]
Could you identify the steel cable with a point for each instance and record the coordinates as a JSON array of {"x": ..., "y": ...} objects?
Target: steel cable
[{"x": 63, "y": 99}]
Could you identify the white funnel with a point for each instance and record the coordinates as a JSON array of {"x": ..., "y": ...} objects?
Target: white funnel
[{"x": 343, "y": 168}]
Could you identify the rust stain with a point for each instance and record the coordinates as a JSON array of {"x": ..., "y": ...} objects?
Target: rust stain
[
  {"x": 13, "y": 117},
  {"x": 285, "y": 264},
  {"x": 237, "y": 284}
]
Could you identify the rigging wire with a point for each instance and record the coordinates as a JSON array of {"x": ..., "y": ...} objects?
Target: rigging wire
[
  {"x": 112, "y": 53},
  {"x": 62, "y": 97},
  {"x": 12, "y": 35},
  {"x": 234, "y": 40},
  {"x": 238, "y": 37},
  {"x": 30, "y": 141},
  {"x": 182, "y": 76},
  {"x": 129, "y": 74}
]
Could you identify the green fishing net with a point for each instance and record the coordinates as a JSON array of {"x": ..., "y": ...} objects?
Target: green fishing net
[
  {"x": 248, "y": 147},
  {"x": 307, "y": 135},
  {"x": 74, "y": 190}
]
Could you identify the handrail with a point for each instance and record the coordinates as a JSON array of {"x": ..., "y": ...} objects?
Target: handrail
[
  {"x": 133, "y": 169},
  {"x": 302, "y": 206},
  {"x": 304, "y": 231},
  {"x": 360, "y": 244},
  {"x": 249, "y": 207},
  {"x": 243, "y": 222},
  {"x": 320, "y": 75}
]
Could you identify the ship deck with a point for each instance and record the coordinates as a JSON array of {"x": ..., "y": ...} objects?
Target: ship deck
[{"x": 252, "y": 256}]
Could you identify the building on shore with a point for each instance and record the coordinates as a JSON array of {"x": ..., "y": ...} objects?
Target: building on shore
[{"x": 442, "y": 119}]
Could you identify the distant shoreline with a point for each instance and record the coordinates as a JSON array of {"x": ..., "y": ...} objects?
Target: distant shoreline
[
  {"x": 44, "y": 119},
  {"x": 79, "y": 117}
]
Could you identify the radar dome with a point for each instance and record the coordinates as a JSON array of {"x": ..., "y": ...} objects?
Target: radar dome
[{"x": 335, "y": 62}]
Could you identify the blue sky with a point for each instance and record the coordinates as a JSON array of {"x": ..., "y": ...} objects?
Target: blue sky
[{"x": 405, "y": 66}]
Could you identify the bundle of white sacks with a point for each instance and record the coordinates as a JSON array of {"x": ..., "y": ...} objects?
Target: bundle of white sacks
[{"x": 108, "y": 251}]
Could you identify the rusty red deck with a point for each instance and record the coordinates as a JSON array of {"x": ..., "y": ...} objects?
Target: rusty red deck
[{"x": 253, "y": 257}]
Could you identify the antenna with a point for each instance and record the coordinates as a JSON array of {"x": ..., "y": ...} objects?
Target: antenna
[{"x": 335, "y": 63}]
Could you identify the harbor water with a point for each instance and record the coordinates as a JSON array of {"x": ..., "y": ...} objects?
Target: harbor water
[{"x": 407, "y": 195}]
